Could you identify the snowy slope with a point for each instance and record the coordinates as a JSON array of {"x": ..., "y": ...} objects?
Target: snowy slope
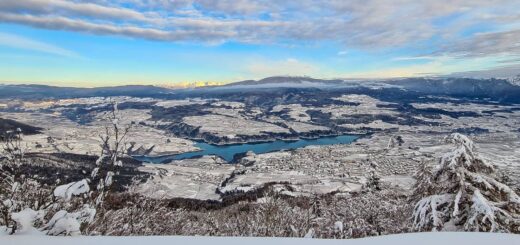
[{"x": 442, "y": 238}]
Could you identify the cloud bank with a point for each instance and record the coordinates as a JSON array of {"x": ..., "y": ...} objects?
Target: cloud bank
[{"x": 457, "y": 28}]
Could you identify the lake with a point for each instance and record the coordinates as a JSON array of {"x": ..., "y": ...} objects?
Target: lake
[{"x": 227, "y": 152}]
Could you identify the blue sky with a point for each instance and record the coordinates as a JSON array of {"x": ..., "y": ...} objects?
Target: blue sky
[{"x": 101, "y": 42}]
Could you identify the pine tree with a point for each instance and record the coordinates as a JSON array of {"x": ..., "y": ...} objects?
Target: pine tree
[
  {"x": 373, "y": 181},
  {"x": 423, "y": 184},
  {"x": 463, "y": 193}
]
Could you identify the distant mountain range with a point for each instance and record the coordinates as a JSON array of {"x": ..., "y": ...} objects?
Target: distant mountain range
[
  {"x": 31, "y": 91},
  {"x": 497, "y": 89},
  {"x": 507, "y": 90},
  {"x": 280, "y": 81},
  {"x": 183, "y": 85}
]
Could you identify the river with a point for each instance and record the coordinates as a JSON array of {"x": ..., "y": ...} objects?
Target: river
[{"x": 227, "y": 152}]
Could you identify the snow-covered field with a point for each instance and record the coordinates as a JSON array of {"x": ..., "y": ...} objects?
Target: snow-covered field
[
  {"x": 60, "y": 134},
  {"x": 318, "y": 169},
  {"x": 295, "y": 111},
  {"x": 231, "y": 126},
  {"x": 189, "y": 178},
  {"x": 436, "y": 238}
]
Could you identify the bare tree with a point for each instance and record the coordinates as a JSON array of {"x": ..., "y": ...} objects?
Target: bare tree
[
  {"x": 113, "y": 147},
  {"x": 80, "y": 213}
]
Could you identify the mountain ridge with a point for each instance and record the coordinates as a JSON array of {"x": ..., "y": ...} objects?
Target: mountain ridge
[{"x": 494, "y": 88}]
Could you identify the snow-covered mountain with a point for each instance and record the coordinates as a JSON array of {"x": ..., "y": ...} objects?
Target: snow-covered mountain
[
  {"x": 514, "y": 80},
  {"x": 497, "y": 89}
]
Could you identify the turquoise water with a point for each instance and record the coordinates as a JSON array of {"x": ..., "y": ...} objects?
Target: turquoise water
[{"x": 228, "y": 151}]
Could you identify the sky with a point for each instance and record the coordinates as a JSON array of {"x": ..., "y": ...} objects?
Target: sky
[{"x": 88, "y": 43}]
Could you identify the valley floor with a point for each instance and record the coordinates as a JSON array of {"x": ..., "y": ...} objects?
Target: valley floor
[
  {"x": 314, "y": 187},
  {"x": 163, "y": 127}
]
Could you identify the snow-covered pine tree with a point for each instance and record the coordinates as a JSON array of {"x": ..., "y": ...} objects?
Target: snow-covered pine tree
[
  {"x": 463, "y": 193},
  {"x": 423, "y": 184},
  {"x": 395, "y": 141},
  {"x": 373, "y": 180}
]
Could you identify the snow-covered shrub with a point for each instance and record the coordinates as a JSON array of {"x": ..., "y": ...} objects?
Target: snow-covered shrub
[
  {"x": 26, "y": 219},
  {"x": 71, "y": 210},
  {"x": 327, "y": 216},
  {"x": 22, "y": 198},
  {"x": 65, "y": 223},
  {"x": 463, "y": 193},
  {"x": 28, "y": 206},
  {"x": 28, "y": 194},
  {"x": 368, "y": 214},
  {"x": 69, "y": 190}
]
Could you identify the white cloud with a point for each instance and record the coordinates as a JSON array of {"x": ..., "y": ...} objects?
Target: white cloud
[
  {"x": 434, "y": 66},
  {"x": 19, "y": 42},
  {"x": 364, "y": 24},
  {"x": 69, "y": 8},
  {"x": 407, "y": 58},
  {"x": 486, "y": 44}
]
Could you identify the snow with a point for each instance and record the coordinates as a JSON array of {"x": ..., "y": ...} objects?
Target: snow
[
  {"x": 377, "y": 124},
  {"x": 338, "y": 226},
  {"x": 65, "y": 223},
  {"x": 305, "y": 127},
  {"x": 481, "y": 207},
  {"x": 226, "y": 125},
  {"x": 296, "y": 111},
  {"x": 72, "y": 189},
  {"x": 465, "y": 151},
  {"x": 175, "y": 103},
  {"x": 231, "y": 104},
  {"x": 70, "y": 137},
  {"x": 108, "y": 178},
  {"x": 188, "y": 178},
  {"x": 310, "y": 233},
  {"x": 26, "y": 219},
  {"x": 457, "y": 138},
  {"x": 426, "y": 210},
  {"x": 432, "y": 238},
  {"x": 480, "y": 201},
  {"x": 367, "y": 105}
]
